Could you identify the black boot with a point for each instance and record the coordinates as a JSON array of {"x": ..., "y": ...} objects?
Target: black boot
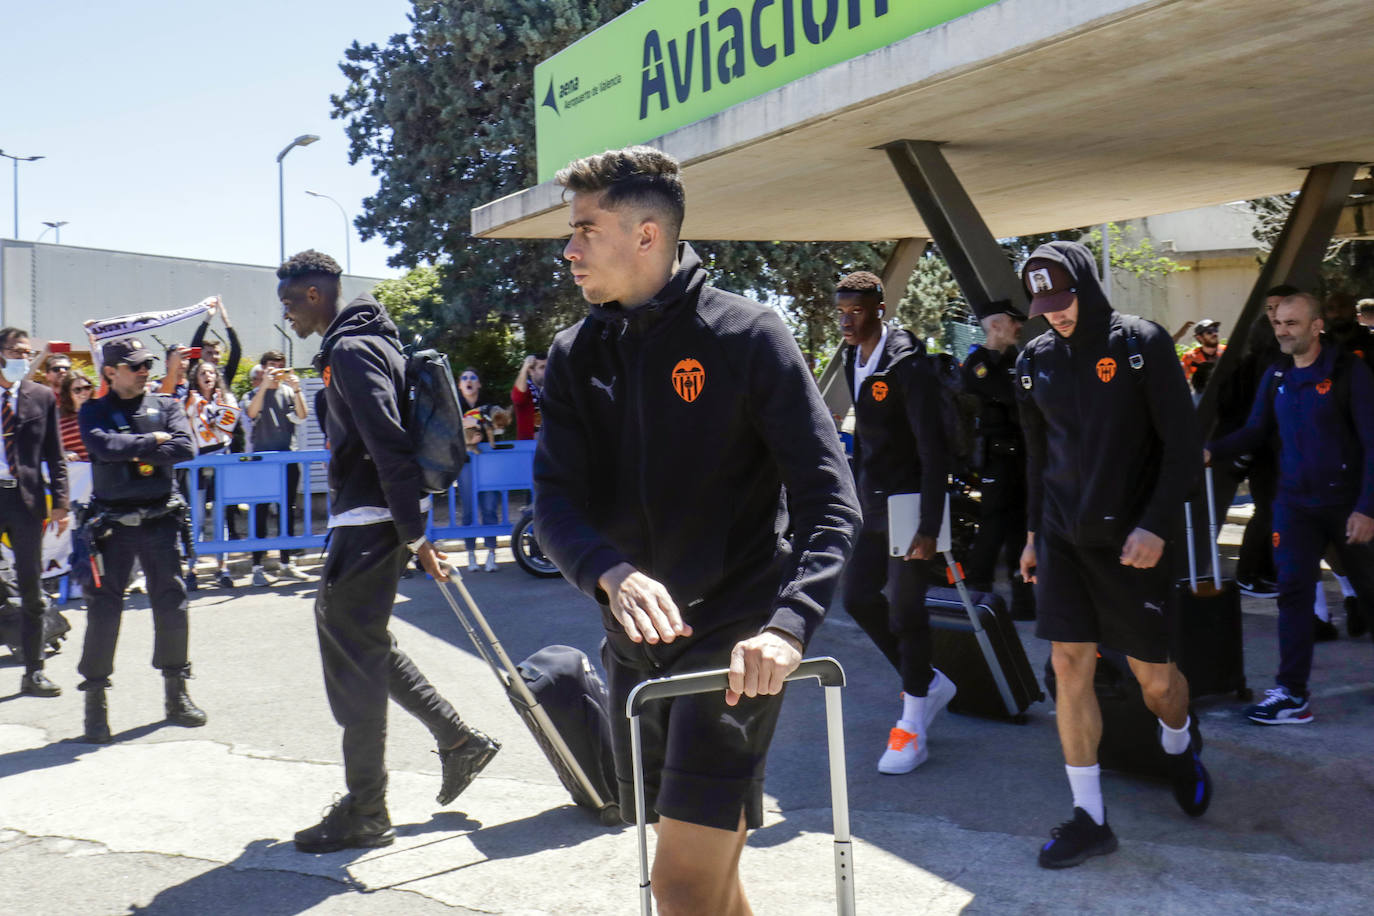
[
  {"x": 97, "y": 717},
  {"x": 180, "y": 710}
]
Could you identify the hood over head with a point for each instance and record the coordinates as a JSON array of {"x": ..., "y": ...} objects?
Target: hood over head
[
  {"x": 364, "y": 316},
  {"x": 1059, "y": 271}
]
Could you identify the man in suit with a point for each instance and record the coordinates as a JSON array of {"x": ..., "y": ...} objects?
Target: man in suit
[{"x": 31, "y": 437}]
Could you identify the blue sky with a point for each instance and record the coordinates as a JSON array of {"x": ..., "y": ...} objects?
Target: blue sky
[{"x": 161, "y": 121}]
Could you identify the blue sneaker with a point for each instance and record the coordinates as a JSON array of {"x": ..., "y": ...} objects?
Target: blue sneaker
[
  {"x": 1192, "y": 783},
  {"x": 1280, "y": 707},
  {"x": 1075, "y": 841}
]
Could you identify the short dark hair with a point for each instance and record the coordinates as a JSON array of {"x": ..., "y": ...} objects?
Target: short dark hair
[
  {"x": 1283, "y": 290},
  {"x": 65, "y": 402},
  {"x": 637, "y": 176},
  {"x": 271, "y": 355},
  {"x": 542, "y": 355},
  {"x": 861, "y": 283},
  {"x": 309, "y": 264},
  {"x": 8, "y": 334},
  {"x": 1314, "y": 305}
]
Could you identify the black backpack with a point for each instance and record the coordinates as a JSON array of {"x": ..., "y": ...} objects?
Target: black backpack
[{"x": 434, "y": 419}]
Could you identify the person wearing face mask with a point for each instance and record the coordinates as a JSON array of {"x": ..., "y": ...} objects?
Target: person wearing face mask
[
  {"x": 31, "y": 439},
  {"x": 134, "y": 440}
]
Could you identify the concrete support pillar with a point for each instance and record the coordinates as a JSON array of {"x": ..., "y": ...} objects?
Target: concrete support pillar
[{"x": 978, "y": 263}]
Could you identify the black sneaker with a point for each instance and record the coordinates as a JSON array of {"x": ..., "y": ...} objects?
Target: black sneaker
[
  {"x": 1279, "y": 707},
  {"x": 1258, "y": 588},
  {"x": 344, "y": 828},
  {"x": 1355, "y": 624},
  {"x": 462, "y": 764},
  {"x": 1324, "y": 630},
  {"x": 1075, "y": 841},
  {"x": 1192, "y": 783}
]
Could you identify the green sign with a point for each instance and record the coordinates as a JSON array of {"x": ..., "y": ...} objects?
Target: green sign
[{"x": 667, "y": 63}]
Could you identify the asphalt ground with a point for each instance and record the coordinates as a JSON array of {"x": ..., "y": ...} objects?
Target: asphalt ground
[{"x": 168, "y": 820}]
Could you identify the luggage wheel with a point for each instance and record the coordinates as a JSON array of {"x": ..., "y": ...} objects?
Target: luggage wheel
[{"x": 610, "y": 816}]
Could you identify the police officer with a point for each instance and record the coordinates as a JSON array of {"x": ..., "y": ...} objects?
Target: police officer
[
  {"x": 134, "y": 439},
  {"x": 999, "y": 456}
]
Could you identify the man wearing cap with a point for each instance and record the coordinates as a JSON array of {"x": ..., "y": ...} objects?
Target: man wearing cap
[
  {"x": 1113, "y": 451},
  {"x": 899, "y": 447},
  {"x": 1208, "y": 350},
  {"x": 999, "y": 455},
  {"x": 134, "y": 440},
  {"x": 31, "y": 439}
]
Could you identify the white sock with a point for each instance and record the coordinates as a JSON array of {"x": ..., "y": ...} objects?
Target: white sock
[
  {"x": 1086, "y": 785},
  {"x": 1347, "y": 589},
  {"x": 913, "y": 710},
  {"x": 1175, "y": 740},
  {"x": 1319, "y": 604}
]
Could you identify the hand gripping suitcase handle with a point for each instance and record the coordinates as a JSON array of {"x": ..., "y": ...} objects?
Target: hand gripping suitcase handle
[
  {"x": 826, "y": 670},
  {"x": 831, "y": 676}
]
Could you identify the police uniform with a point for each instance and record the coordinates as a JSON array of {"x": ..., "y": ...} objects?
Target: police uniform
[
  {"x": 990, "y": 376},
  {"x": 134, "y": 513}
]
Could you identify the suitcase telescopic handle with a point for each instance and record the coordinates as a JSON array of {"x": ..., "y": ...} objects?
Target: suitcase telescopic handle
[{"x": 824, "y": 669}]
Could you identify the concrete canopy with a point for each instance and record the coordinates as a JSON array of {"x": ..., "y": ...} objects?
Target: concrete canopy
[{"x": 1053, "y": 113}]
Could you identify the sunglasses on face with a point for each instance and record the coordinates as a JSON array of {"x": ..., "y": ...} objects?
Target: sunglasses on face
[
  {"x": 59, "y": 368},
  {"x": 139, "y": 367},
  {"x": 468, "y": 377},
  {"x": 81, "y": 389}
]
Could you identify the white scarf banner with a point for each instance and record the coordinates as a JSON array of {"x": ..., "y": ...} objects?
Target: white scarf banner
[{"x": 100, "y": 330}]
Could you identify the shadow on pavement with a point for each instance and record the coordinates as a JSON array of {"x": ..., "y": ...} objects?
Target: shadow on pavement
[{"x": 60, "y": 753}]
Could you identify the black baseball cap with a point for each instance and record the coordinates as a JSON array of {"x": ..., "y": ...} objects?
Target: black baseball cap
[
  {"x": 1051, "y": 287},
  {"x": 983, "y": 310},
  {"x": 129, "y": 351}
]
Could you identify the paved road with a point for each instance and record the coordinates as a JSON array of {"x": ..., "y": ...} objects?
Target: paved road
[{"x": 175, "y": 821}]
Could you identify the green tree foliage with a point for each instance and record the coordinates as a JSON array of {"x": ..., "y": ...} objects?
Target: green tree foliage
[{"x": 1348, "y": 267}]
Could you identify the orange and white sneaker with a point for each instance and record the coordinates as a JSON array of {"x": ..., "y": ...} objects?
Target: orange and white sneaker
[{"x": 906, "y": 750}]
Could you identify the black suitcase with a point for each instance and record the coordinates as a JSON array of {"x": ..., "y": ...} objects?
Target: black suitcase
[
  {"x": 573, "y": 692},
  {"x": 1210, "y": 646},
  {"x": 55, "y": 630},
  {"x": 1130, "y": 732},
  {"x": 975, "y": 643}
]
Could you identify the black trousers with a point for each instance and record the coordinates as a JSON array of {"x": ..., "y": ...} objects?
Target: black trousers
[
  {"x": 1001, "y": 519},
  {"x": 154, "y": 544},
  {"x": 288, "y": 524},
  {"x": 897, "y": 622},
  {"x": 25, "y": 534},
  {"x": 362, "y": 664}
]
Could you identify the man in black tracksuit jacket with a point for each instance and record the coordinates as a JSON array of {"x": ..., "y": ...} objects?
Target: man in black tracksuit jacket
[
  {"x": 674, "y": 414},
  {"x": 899, "y": 447},
  {"x": 1113, "y": 451},
  {"x": 377, "y": 522}
]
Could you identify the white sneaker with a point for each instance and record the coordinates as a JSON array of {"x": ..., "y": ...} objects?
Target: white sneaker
[
  {"x": 491, "y": 561},
  {"x": 938, "y": 695},
  {"x": 472, "y": 564},
  {"x": 259, "y": 577},
  {"x": 906, "y": 750},
  {"x": 292, "y": 571}
]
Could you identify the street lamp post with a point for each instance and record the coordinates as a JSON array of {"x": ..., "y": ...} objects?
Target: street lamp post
[
  {"x": 17, "y": 160},
  {"x": 55, "y": 225},
  {"x": 348, "y": 255},
  {"x": 302, "y": 140}
]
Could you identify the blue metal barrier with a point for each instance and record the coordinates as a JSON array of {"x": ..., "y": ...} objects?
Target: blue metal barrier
[
  {"x": 256, "y": 479},
  {"x": 509, "y": 466},
  {"x": 260, "y": 479}
]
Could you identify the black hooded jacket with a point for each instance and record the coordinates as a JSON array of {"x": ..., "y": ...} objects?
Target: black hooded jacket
[
  {"x": 371, "y": 457},
  {"x": 899, "y": 433},
  {"x": 1110, "y": 447},
  {"x": 669, "y": 432}
]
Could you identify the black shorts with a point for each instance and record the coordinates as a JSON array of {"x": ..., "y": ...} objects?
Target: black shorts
[
  {"x": 703, "y": 760},
  {"x": 1084, "y": 594}
]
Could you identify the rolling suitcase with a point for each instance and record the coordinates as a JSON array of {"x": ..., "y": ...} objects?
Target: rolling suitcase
[
  {"x": 1210, "y": 643},
  {"x": 831, "y": 676},
  {"x": 975, "y": 643},
  {"x": 557, "y": 682}
]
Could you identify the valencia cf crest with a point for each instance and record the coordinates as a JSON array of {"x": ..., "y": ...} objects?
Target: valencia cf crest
[
  {"x": 980, "y": 371},
  {"x": 689, "y": 378},
  {"x": 1106, "y": 369},
  {"x": 879, "y": 391}
]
